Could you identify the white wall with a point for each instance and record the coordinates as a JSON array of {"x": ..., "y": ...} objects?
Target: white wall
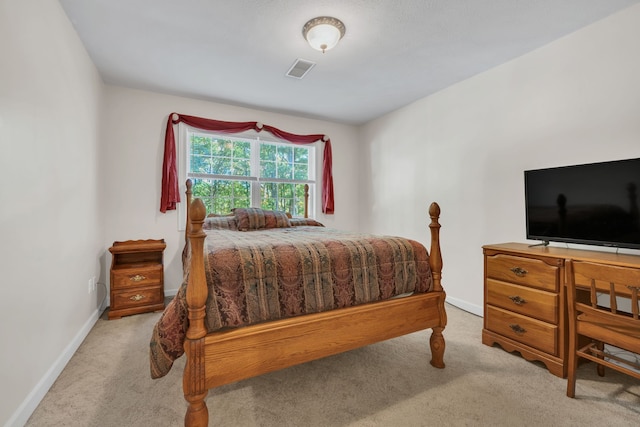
[
  {"x": 81, "y": 168},
  {"x": 50, "y": 95},
  {"x": 131, "y": 158},
  {"x": 576, "y": 100}
]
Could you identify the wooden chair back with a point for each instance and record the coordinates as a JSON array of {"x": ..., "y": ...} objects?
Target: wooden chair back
[{"x": 603, "y": 307}]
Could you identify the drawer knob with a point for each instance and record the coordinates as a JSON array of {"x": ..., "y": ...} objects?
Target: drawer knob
[
  {"x": 517, "y": 300},
  {"x": 137, "y": 278},
  {"x": 519, "y": 330},
  {"x": 518, "y": 271},
  {"x": 136, "y": 297}
]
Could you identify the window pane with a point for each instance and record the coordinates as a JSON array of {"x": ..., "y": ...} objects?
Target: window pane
[
  {"x": 268, "y": 152},
  {"x": 224, "y": 148},
  {"x": 267, "y": 169},
  {"x": 200, "y": 164},
  {"x": 203, "y": 190},
  {"x": 285, "y": 154},
  {"x": 299, "y": 200},
  {"x": 301, "y": 172},
  {"x": 220, "y": 196},
  {"x": 285, "y": 197},
  {"x": 285, "y": 191},
  {"x": 242, "y": 150},
  {"x": 301, "y": 155},
  {"x": 242, "y": 167},
  {"x": 241, "y": 195},
  {"x": 268, "y": 195},
  {"x": 220, "y": 156},
  {"x": 221, "y": 166},
  {"x": 200, "y": 145},
  {"x": 284, "y": 171}
]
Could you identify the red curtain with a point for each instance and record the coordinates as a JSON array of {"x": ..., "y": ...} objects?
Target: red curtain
[{"x": 170, "y": 189}]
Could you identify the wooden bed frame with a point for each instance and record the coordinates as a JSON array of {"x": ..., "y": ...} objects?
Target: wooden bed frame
[{"x": 228, "y": 356}]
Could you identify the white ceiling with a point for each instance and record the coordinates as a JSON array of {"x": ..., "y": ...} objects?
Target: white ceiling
[{"x": 394, "y": 51}]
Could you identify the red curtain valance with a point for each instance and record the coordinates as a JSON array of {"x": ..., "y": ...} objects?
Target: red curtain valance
[{"x": 170, "y": 189}]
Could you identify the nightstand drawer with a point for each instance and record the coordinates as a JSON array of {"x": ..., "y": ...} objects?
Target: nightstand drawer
[
  {"x": 523, "y": 271},
  {"x": 534, "y": 333},
  {"x": 137, "y": 297},
  {"x": 527, "y": 301},
  {"x": 136, "y": 277}
]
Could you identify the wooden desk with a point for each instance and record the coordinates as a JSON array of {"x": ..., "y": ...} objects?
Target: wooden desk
[{"x": 525, "y": 298}]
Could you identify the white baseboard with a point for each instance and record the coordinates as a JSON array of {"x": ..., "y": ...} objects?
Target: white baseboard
[
  {"x": 33, "y": 399},
  {"x": 464, "y": 305}
]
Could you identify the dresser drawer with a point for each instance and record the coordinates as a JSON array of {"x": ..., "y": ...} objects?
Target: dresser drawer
[
  {"x": 520, "y": 299},
  {"x": 136, "y": 277},
  {"x": 523, "y": 271},
  {"x": 137, "y": 297},
  {"x": 532, "y": 332}
]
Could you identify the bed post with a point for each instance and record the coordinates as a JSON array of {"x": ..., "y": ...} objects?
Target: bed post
[
  {"x": 306, "y": 200},
  {"x": 188, "y": 205},
  {"x": 435, "y": 261},
  {"x": 193, "y": 381}
]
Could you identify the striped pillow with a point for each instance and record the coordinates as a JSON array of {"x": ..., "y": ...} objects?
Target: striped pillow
[
  {"x": 257, "y": 218},
  {"x": 227, "y": 222},
  {"x": 295, "y": 222}
]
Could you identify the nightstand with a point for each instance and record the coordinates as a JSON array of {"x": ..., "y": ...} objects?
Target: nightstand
[{"x": 137, "y": 277}]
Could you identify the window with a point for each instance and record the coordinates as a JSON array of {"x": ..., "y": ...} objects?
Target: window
[{"x": 235, "y": 170}]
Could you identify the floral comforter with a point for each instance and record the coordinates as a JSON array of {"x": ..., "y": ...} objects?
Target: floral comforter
[{"x": 261, "y": 275}]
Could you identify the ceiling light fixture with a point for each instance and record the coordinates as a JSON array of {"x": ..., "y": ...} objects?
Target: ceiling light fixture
[{"x": 323, "y": 32}]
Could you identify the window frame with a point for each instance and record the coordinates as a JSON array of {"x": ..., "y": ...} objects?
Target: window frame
[{"x": 182, "y": 156}]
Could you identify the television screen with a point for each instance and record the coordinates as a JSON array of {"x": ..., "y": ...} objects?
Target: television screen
[{"x": 594, "y": 204}]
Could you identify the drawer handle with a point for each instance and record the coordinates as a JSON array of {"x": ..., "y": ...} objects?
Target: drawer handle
[
  {"x": 137, "y": 278},
  {"x": 136, "y": 297},
  {"x": 517, "y": 300},
  {"x": 519, "y": 330},
  {"x": 520, "y": 272}
]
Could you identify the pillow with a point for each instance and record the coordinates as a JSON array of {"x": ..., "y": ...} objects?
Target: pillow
[
  {"x": 305, "y": 221},
  {"x": 227, "y": 222},
  {"x": 256, "y": 219}
]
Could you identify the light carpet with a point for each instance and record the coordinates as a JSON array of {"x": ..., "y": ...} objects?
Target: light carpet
[{"x": 391, "y": 383}]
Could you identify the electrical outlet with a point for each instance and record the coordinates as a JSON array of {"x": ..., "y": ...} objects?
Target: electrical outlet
[{"x": 91, "y": 287}]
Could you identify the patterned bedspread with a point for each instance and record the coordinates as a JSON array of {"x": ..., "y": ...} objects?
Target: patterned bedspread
[{"x": 266, "y": 274}]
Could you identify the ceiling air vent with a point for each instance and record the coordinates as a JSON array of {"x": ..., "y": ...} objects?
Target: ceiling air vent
[{"x": 300, "y": 68}]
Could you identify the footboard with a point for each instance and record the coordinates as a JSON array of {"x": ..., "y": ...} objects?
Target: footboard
[
  {"x": 231, "y": 355},
  {"x": 280, "y": 344}
]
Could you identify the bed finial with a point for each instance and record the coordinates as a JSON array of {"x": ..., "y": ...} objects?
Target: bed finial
[
  {"x": 435, "y": 256},
  {"x": 434, "y": 211},
  {"x": 198, "y": 211}
]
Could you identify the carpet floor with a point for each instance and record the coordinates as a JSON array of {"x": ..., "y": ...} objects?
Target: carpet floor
[{"x": 107, "y": 383}]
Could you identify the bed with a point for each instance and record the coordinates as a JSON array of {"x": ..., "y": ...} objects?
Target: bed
[{"x": 263, "y": 292}]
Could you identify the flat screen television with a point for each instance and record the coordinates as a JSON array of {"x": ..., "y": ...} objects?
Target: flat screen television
[{"x": 591, "y": 204}]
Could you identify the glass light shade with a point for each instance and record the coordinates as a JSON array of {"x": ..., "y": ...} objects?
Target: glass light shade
[
  {"x": 323, "y": 33},
  {"x": 323, "y": 37}
]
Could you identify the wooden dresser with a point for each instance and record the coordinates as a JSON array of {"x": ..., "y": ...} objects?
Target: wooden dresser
[
  {"x": 525, "y": 299},
  {"x": 137, "y": 277}
]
